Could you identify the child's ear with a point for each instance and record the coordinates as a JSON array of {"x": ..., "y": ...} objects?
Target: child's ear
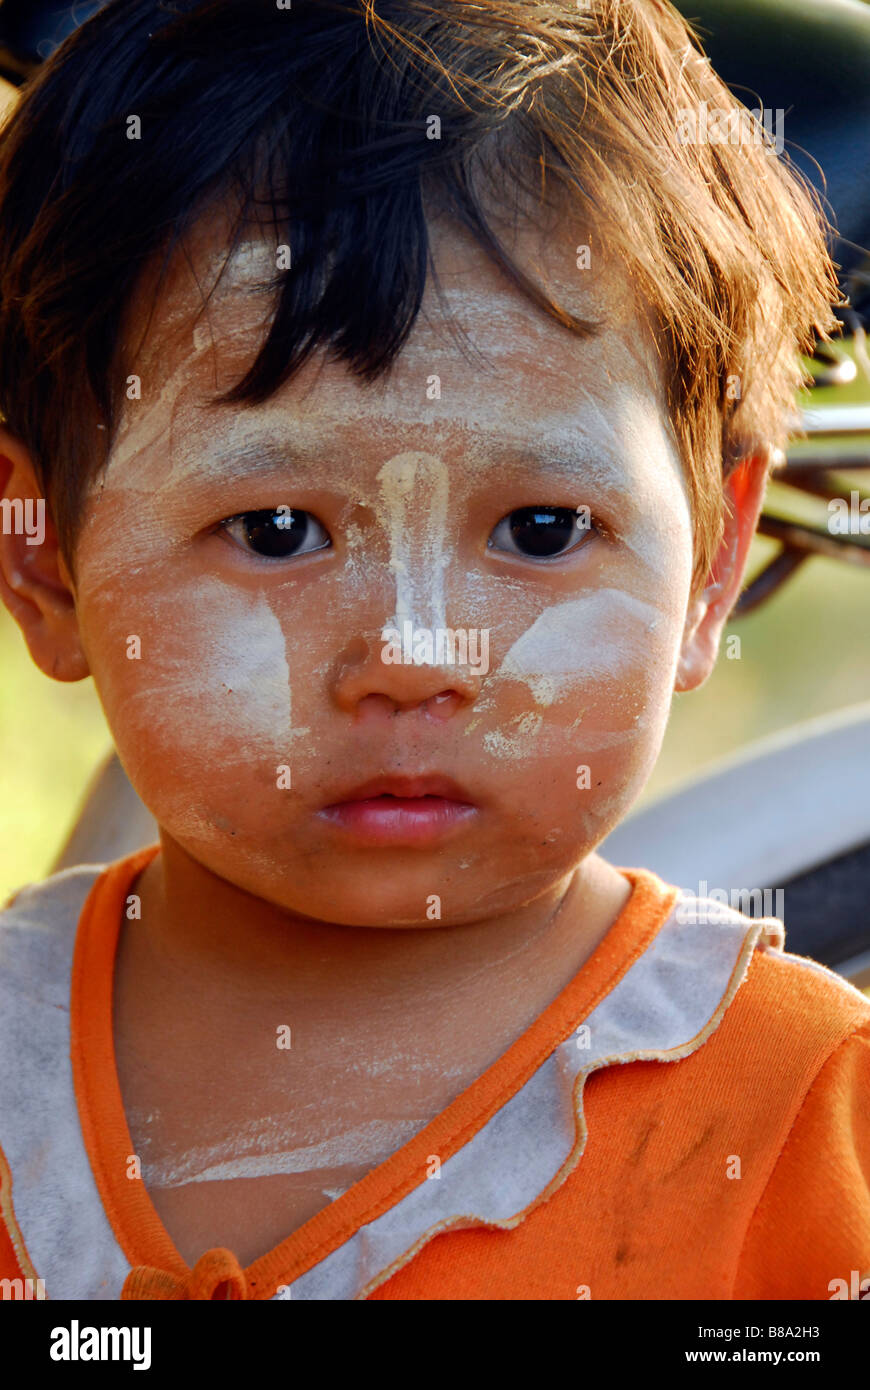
[
  {"x": 34, "y": 582},
  {"x": 708, "y": 611}
]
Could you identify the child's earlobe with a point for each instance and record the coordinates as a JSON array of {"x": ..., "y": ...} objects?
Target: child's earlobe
[
  {"x": 708, "y": 611},
  {"x": 35, "y": 585},
  {"x": 697, "y": 654}
]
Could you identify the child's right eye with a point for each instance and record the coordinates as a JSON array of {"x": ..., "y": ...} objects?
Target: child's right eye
[{"x": 278, "y": 533}]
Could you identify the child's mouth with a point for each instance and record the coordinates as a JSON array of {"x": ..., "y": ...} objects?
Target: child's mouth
[{"x": 401, "y": 810}]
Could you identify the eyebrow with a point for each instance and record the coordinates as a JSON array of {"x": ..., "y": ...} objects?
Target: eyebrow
[
  {"x": 227, "y": 462},
  {"x": 569, "y": 452}
]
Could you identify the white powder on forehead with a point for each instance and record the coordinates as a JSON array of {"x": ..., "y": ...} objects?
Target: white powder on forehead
[
  {"x": 147, "y": 421},
  {"x": 252, "y": 262},
  {"x": 598, "y": 635},
  {"x": 414, "y": 494}
]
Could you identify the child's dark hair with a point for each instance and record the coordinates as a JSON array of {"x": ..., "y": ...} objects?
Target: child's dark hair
[{"x": 318, "y": 120}]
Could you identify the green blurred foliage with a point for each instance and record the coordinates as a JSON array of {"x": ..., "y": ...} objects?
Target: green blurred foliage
[{"x": 52, "y": 736}]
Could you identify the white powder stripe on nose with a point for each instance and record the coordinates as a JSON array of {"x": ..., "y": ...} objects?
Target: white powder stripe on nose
[{"x": 414, "y": 495}]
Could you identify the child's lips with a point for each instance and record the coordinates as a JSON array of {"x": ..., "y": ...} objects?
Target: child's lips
[{"x": 401, "y": 810}]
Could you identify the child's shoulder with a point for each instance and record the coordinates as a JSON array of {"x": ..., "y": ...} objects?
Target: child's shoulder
[
  {"x": 48, "y": 902},
  {"x": 780, "y": 991},
  {"x": 37, "y": 934},
  {"x": 806, "y": 1033},
  {"x": 44, "y": 1171},
  {"x": 785, "y": 1022},
  {"x": 789, "y": 992}
]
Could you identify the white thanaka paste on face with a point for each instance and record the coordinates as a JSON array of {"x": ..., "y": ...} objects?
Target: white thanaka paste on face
[
  {"x": 238, "y": 651},
  {"x": 148, "y": 423},
  {"x": 595, "y": 636},
  {"x": 214, "y": 692},
  {"x": 251, "y": 264},
  {"x": 544, "y": 689},
  {"x": 593, "y": 443},
  {"x": 414, "y": 491},
  {"x": 202, "y": 337},
  {"x": 489, "y": 428},
  {"x": 536, "y": 740},
  {"x": 517, "y": 745},
  {"x": 247, "y": 654}
]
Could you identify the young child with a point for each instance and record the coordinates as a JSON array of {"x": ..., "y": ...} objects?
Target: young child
[{"x": 402, "y": 381}]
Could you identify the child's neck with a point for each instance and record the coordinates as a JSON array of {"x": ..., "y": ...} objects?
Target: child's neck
[
  {"x": 387, "y": 1027},
  {"x": 196, "y": 927}
]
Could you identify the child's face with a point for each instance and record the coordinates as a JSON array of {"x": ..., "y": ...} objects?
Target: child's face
[{"x": 250, "y": 663}]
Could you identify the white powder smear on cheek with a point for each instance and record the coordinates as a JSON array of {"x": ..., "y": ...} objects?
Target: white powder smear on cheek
[
  {"x": 514, "y": 745},
  {"x": 414, "y": 492},
  {"x": 544, "y": 689},
  {"x": 210, "y": 690},
  {"x": 597, "y": 636},
  {"x": 596, "y": 639},
  {"x": 246, "y": 655}
]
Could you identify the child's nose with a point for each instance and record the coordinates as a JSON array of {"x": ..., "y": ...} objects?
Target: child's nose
[{"x": 368, "y": 688}]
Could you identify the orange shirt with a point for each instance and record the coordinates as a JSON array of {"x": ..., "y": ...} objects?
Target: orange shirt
[{"x": 689, "y": 1118}]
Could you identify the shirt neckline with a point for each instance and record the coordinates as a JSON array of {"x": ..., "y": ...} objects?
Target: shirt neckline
[{"x": 130, "y": 1211}]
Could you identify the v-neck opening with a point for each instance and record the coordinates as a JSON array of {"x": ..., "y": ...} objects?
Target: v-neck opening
[{"x": 138, "y": 1228}]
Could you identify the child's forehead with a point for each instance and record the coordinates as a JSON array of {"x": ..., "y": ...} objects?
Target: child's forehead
[{"x": 513, "y": 370}]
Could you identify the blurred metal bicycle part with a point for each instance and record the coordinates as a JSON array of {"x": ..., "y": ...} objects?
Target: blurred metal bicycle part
[
  {"x": 814, "y": 472},
  {"x": 748, "y": 820}
]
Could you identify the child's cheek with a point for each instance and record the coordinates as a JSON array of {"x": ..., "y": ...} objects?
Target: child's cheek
[
  {"x": 578, "y": 706},
  {"x": 196, "y": 687}
]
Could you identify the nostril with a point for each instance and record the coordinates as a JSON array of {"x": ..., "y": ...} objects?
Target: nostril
[{"x": 443, "y": 705}]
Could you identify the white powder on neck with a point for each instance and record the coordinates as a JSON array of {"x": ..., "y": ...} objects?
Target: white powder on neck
[{"x": 369, "y": 1143}]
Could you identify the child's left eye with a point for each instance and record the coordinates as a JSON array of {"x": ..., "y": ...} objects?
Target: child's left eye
[
  {"x": 541, "y": 532},
  {"x": 278, "y": 533}
]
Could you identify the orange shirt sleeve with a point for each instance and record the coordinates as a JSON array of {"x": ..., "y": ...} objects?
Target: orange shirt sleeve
[{"x": 812, "y": 1224}]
